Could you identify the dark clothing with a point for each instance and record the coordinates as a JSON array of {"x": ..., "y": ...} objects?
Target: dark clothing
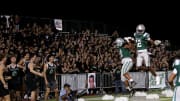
[
  {"x": 117, "y": 74},
  {"x": 31, "y": 80},
  {"x": 3, "y": 91},
  {"x": 15, "y": 82},
  {"x": 118, "y": 83},
  {"x": 50, "y": 72}
]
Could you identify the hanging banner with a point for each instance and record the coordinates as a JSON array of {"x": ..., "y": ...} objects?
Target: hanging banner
[
  {"x": 152, "y": 80},
  {"x": 69, "y": 79},
  {"x": 140, "y": 78},
  {"x": 77, "y": 81},
  {"x": 7, "y": 20},
  {"x": 91, "y": 80},
  {"x": 58, "y": 24}
]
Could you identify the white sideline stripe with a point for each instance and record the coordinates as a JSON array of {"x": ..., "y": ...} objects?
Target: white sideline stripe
[{"x": 164, "y": 99}]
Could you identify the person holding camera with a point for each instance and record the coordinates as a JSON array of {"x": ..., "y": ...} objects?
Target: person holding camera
[{"x": 66, "y": 93}]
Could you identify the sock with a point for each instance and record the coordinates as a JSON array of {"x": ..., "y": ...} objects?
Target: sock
[
  {"x": 128, "y": 88},
  {"x": 157, "y": 77}
]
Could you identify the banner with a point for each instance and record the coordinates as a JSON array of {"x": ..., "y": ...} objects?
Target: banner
[
  {"x": 77, "y": 81},
  {"x": 70, "y": 79},
  {"x": 91, "y": 80},
  {"x": 152, "y": 80},
  {"x": 7, "y": 20},
  {"x": 140, "y": 78},
  {"x": 58, "y": 24},
  {"x": 81, "y": 80}
]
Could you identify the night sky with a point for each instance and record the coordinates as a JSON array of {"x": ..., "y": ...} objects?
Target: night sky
[{"x": 160, "y": 22}]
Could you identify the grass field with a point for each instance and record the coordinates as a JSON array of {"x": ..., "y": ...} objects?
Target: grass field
[{"x": 99, "y": 98}]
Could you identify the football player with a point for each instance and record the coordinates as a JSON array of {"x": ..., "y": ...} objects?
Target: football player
[
  {"x": 127, "y": 63},
  {"x": 176, "y": 73},
  {"x": 142, "y": 38}
]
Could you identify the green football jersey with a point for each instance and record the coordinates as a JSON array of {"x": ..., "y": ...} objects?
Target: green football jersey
[
  {"x": 142, "y": 40},
  {"x": 176, "y": 66},
  {"x": 124, "y": 52}
]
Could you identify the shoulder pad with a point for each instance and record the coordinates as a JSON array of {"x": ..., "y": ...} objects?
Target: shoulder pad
[{"x": 146, "y": 34}]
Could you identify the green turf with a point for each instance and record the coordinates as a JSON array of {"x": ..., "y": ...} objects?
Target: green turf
[
  {"x": 98, "y": 97},
  {"x": 86, "y": 97}
]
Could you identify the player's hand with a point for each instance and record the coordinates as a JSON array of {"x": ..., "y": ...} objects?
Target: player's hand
[{"x": 5, "y": 86}]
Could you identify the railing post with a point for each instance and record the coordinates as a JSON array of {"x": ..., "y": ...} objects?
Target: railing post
[
  {"x": 147, "y": 81},
  {"x": 101, "y": 88},
  {"x": 166, "y": 78}
]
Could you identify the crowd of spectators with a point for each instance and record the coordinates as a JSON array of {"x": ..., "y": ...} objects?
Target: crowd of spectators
[{"x": 79, "y": 52}]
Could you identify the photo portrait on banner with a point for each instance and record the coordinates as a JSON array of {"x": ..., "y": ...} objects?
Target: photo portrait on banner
[
  {"x": 58, "y": 24},
  {"x": 91, "y": 80}
]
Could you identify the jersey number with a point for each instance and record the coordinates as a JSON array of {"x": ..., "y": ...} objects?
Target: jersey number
[{"x": 138, "y": 43}]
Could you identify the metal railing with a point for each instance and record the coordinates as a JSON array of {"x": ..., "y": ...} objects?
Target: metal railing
[{"x": 105, "y": 80}]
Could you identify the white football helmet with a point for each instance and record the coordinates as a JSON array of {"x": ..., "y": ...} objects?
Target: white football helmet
[
  {"x": 140, "y": 29},
  {"x": 119, "y": 42}
]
